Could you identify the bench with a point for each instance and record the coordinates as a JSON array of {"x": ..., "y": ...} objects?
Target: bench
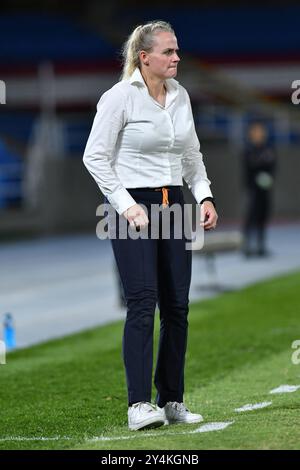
[{"x": 214, "y": 243}]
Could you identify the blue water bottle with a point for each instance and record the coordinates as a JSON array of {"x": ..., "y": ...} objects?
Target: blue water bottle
[{"x": 9, "y": 331}]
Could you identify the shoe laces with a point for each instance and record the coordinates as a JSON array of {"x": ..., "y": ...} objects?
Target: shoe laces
[
  {"x": 141, "y": 404},
  {"x": 179, "y": 407}
]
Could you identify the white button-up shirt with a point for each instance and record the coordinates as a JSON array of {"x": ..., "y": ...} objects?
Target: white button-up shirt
[{"x": 136, "y": 142}]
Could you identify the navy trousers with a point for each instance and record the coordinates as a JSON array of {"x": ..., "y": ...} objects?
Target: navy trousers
[{"x": 155, "y": 271}]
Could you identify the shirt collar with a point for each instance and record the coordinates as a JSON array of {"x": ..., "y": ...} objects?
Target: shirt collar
[{"x": 172, "y": 85}]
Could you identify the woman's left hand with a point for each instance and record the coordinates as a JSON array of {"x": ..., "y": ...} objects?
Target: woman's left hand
[{"x": 209, "y": 215}]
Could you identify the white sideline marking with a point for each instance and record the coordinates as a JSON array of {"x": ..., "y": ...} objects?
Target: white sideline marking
[
  {"x": 285, "y": 389},
  {"x": 213, "y": 427},
  {"x": 256, "y": 406},
  {"x": 205, "y": 428},
  {"x": 41, "y": 438}
]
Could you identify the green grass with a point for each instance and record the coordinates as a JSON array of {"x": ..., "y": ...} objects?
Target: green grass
[{"x": 239, "y": 349}]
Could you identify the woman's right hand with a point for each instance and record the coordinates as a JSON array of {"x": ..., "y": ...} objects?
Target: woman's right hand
[{"x": 136, "y": 217}]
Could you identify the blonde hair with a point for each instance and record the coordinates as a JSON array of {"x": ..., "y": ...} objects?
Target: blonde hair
[{"x": 141, "y": 39}]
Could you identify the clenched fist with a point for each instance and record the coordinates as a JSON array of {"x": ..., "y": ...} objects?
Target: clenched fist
[{"x": 136, "y": 217}]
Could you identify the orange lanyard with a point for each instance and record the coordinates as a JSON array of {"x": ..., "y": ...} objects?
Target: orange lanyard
[{"x": 165, "y": 201}]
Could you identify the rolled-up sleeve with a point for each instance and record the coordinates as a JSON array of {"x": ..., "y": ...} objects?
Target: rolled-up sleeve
[
  {"x": 99, "y": 151},
  {"x": 193, "y": 168}
]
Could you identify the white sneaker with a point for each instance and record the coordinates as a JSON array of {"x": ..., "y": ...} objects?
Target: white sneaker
[
  {"x": 143, "y": 415},
  {"x": 177, "y": 413}
]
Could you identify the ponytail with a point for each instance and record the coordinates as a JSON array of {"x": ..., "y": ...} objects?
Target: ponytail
[{"x": 141, "y": 39}]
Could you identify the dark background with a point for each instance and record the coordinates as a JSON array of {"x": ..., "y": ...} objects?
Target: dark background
[{"x": 238, "y": 61}]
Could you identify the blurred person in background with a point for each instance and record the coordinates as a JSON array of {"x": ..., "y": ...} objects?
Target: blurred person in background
[
  {"x": 259, "y": 164},
  {"x": 142, "y": 144}
]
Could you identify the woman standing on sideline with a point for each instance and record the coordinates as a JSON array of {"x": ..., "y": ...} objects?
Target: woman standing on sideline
[{"x": 142, "y": 143}]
